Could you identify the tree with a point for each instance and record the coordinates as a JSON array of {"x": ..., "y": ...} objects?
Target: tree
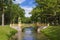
[
  {"x": 3, "y": 6},
  {"x": 12, "y": 12},
  {"x": 46, "y": 10},
  {"x": 16, "y": 11}
]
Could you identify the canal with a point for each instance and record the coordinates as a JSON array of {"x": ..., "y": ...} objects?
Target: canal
[{"x": 28, "y": 35}]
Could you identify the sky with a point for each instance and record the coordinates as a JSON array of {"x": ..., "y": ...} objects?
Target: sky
[{"x": 27, "y": 5}]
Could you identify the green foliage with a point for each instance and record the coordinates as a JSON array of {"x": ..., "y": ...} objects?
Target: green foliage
[
  {"x": 35, "y": 14},
  {"x": 46, "y": 10},
  {"x": 52, "y": 32},
  {"x": 12, "y": 12},
  {"x": 6, "y": 32},
  {"x": 16, "y": 11},
  {"x": 26, "y": 20}
]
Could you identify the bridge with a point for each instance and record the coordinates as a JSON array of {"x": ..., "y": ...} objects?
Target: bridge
[{"x": 20, "y": 26}]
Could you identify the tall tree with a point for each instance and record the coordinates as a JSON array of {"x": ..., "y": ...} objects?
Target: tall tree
[
  {"x": 47, "y": 11},
  {"x": 16, "y": 11},
  {"x": 10, "y": 11},
  {"x": 4, "y": 5}
]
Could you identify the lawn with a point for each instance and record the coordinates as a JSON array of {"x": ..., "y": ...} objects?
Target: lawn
[
  {"x": 6, "y": 32},
  {"x": 52, "y": 32}
]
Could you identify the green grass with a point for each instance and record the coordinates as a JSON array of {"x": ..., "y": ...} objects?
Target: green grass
[
  {"x": 6, "y": 32},
  {"x": 52, "y": 32}
]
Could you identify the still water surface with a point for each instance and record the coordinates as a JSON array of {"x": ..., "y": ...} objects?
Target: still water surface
[{"x": 31, "y": 36}]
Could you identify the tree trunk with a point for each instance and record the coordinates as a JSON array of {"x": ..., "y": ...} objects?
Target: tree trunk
[{"x": 3, "y": 18}]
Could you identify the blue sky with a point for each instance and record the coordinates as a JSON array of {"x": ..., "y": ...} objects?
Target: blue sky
[{"x": 27, "y": 5}]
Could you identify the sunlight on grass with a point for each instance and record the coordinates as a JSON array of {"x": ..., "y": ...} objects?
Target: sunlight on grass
[
  {"x": 53, "y": 32},
  {"x": 6, "y": 32}
]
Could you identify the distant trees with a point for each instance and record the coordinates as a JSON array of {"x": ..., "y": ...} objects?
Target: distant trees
[
  {"x": 47, "y": 11},
  {"x": 26, "y": 20}
]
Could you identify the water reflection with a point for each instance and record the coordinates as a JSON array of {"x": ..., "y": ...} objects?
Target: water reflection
[
  {"x": 28, "y": 36},
  {"x": 27, "y": 32}
]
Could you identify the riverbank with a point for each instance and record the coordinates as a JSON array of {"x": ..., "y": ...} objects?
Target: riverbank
[
  {"x": 52, "y": 32},
  {"x": 6, "y": 32}
]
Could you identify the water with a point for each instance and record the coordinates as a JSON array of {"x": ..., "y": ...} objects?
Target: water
[
  {"x": 29, "y": 35},
  {"x": 34, "y": 36}
]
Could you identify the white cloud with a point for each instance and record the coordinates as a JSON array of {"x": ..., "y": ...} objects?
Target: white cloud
[
  {"x": 27, "y": 10},
  {"x": 18, "y": 1}
]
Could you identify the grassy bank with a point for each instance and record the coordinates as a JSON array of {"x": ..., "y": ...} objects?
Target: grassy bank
[
  {"x": 6, "y": 32},
  {"x": 52, "y": 32}
]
